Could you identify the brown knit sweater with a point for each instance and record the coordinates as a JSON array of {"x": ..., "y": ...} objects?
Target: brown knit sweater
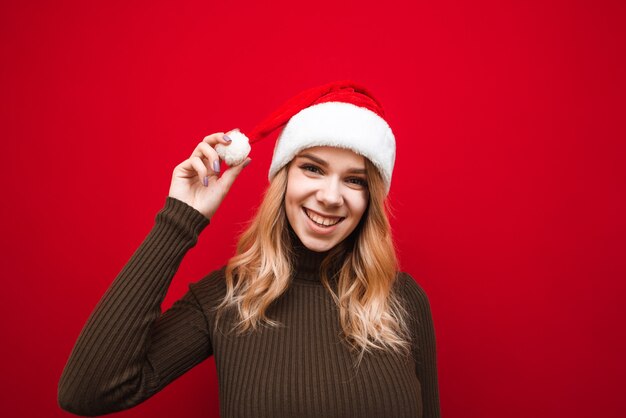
[{"x": 128, "y": 350}]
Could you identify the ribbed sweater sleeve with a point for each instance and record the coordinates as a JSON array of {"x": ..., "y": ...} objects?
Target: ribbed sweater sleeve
[
  {"x": 128, "y": 350},
  {"x": 424, "y": 345}
]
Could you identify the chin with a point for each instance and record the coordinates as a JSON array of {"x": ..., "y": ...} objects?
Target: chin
[{"x": 316, "y": 245}]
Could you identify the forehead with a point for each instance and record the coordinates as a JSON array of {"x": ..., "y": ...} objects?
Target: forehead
[{"x": 334, "y": 156}]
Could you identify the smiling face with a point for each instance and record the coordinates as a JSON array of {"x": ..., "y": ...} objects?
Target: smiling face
[{"x": 326, "y": 195}]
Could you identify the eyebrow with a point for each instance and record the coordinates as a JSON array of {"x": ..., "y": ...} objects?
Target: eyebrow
[{"x": 325, "y": 164}]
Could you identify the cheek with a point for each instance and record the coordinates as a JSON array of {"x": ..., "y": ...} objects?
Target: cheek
[
  {"x": 293, "y": 199},
  {"x": 359, "y": 204},
  {"x": 289, "y": 202},
  {"x": 291, "y": 188},
  {"x": 299, "y": 188}
]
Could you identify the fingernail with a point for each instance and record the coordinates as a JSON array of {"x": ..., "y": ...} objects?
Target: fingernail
[
  {"x": 227, "y": 138},
  {"x": 216, "y": 166},
  {"x": 205, "y": 181},
  {"x": 245, "y": 163}
]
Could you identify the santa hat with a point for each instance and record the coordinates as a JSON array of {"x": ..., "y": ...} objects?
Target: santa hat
[{"x": 340, "y": 114}]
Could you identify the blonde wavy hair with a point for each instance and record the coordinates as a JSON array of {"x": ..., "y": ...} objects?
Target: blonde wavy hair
[{"x": 372, "y": 316}]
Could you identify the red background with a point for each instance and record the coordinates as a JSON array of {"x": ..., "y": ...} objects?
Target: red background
[{"x": 509, "y": 187}]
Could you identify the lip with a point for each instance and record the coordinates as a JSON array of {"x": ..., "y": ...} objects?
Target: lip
[
  {"x": 322, "y": 214},
  {"x": 318, "y": 229}
]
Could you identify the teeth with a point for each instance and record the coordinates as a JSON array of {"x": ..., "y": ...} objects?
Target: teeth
[{"x": 322, "y": 220}]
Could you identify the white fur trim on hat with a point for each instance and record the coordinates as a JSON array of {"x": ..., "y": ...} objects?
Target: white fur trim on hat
[{"x": 342, "y": 125}]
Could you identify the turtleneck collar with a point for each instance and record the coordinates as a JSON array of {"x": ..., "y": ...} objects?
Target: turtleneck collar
[{"x": 306, "y": 262}]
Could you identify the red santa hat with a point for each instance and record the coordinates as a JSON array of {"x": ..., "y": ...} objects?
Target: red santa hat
[{"x": 340, "y": 114}]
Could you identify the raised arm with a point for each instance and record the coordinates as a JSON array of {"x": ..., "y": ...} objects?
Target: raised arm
[
  {"x": 126, "y": 347},
  {"x": 127, "y": 350}
]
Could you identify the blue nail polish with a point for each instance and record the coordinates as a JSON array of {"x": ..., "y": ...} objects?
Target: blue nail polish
[
  {"x": 216, "y": 166},
  {"x": 227, "y": 138},
  {"x": 205, "y": 181}
]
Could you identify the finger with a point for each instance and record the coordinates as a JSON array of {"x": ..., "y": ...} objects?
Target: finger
[
  {"x": 199, "y": 166},
  {"x": 225, "y": 139},
  {"x": 185, "y": 168},
  {"x": 208, "y": 153},
  {"x": 215, "y": 139},
  {"x": 229, "y": 176}
]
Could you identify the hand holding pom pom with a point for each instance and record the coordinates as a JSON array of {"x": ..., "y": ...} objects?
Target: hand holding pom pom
[
  {"x": 236, "y": 151},
  {"x": 199, "y": 181}
]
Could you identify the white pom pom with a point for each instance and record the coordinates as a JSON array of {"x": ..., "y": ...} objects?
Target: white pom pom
[{"x": 236, "y": 151}]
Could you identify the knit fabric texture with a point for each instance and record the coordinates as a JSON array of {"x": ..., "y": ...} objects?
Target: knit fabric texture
[{"x": 129, "y": 350}]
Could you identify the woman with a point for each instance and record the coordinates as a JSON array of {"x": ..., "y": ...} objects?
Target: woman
[{"x": 309, "y": 318}]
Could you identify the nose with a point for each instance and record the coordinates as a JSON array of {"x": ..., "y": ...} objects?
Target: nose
[{"x": 330, "y": 193}]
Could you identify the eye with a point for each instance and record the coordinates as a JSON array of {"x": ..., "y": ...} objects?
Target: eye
[
  {"x": 358, "y": 181},
  {"x": 311, "y": 168}
]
